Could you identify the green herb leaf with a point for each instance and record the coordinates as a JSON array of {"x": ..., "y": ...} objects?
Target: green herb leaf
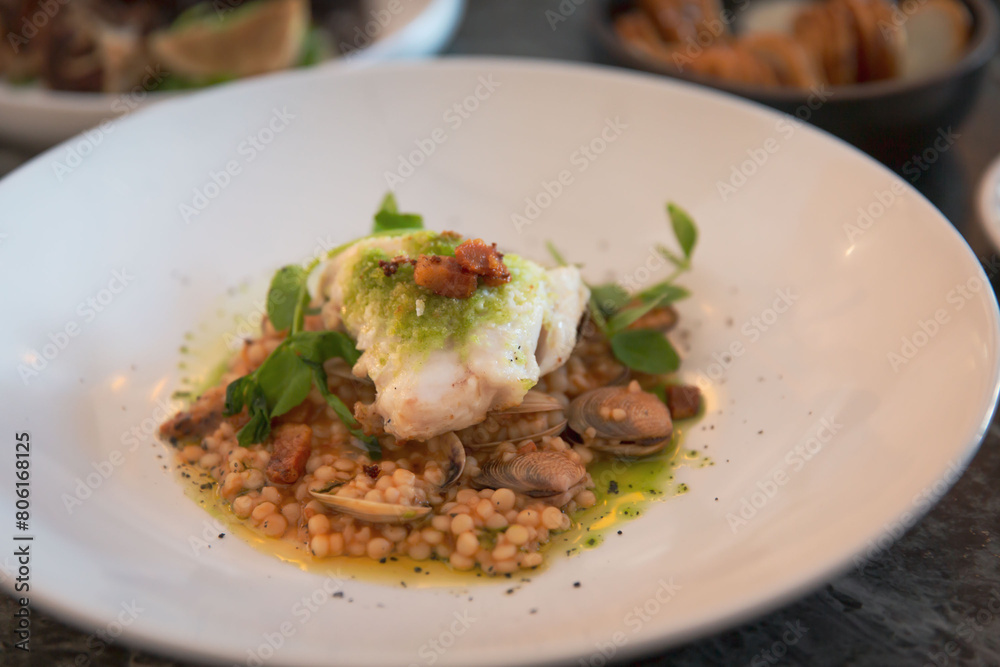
[
  {"x": 609, "y": 298},
  {"x": 681, "y": 263},
  {"x": 645, "y": 350},
  {"x": 556, "y": 255},
  {"x": 284, "y": 379},
  {"x": 371, "y": 443},
  {"x": 259, "y": 426},
  {"x": 684, "y": 228},
  {"x": 237, "y": 395},
  {"x": 318, "y": 346},
  {"x": 597, "y": 317},
  {"x": 388, "y": 217},
  {"x": 664, "y": 293},
  {"x": 314, "y": 49},
  {"x": 201, "y": 12},
  {"x": 388, "y": 204},
  {"x": 171, "y": 82},
  {"x": 287, "y": 296},
  {"x": 626, "y": 316}
]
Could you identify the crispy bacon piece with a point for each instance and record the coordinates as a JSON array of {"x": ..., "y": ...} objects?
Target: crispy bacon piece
[
  {"x": 292, "y": 446},
  {"x": 389, "y": 267},
  {"x": 444, "y": 276},
  {"x": 683, "y": 401},
  {"x": 484, "y": 260},
  {"x": 203, "y": 417}
]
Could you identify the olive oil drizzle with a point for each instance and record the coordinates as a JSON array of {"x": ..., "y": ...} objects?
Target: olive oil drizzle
[{"x": 624, "y": 487}]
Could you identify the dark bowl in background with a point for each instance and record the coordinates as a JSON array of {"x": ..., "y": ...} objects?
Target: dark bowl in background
[{"x": 892, "y": 120}]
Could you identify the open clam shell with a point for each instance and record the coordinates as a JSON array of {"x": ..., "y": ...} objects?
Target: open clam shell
[
  {"x": 536, "y": 474},
  {"x": 371, "y": 511},
  {"x": 481, "y": 436},
  {"x": 622, "y": 420},
  {"x": 456, "y": 459},
  {"x": 660, "y": 318},
  {"x": 368, "y": 510}
]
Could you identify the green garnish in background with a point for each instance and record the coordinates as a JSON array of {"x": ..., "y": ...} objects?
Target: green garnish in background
[
  {"x": 644, "y": 350},
  {"x": 285, "y": 378},
  {"x": 389, "y": 219}
]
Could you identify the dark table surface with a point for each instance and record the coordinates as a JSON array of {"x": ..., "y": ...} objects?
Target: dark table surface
[{"x": 932, "y": 598}]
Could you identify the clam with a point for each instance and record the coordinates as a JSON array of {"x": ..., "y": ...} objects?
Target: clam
[
  {"x": 536, "y": 474},
  {"x": 368, "y": 510},
  {"x": 379, "y": 512},
  {"x": 621, "y": 420},
  {"x": 482, "y": 435},
  {"x": 375, "y": 512},
  {"x": 660, "y": 318},
  {"x": 456, "y": 458}
]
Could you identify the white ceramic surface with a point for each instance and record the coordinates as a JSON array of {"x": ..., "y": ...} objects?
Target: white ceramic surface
[
  {"x": 989, "y": 202},
  {"x": 36, "y": 118},
  {"x": 798, "y": 295}
]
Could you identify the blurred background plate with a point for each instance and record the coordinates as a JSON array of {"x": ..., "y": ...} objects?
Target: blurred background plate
[
  {"x": 889, "y": 117},
  {"x": 33, "y": 118},
  {"x": 989, "y": 202}
]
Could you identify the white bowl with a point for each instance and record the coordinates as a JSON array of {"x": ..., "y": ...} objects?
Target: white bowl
[{"x": 840, "y": 325}]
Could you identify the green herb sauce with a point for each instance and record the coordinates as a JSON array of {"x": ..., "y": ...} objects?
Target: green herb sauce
[
  {"x": 625, "y": 489},
  {"x": 395, "y": 299}
]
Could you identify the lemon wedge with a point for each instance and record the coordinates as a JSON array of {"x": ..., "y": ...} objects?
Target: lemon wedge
[{"x": 259, "y": 37}]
